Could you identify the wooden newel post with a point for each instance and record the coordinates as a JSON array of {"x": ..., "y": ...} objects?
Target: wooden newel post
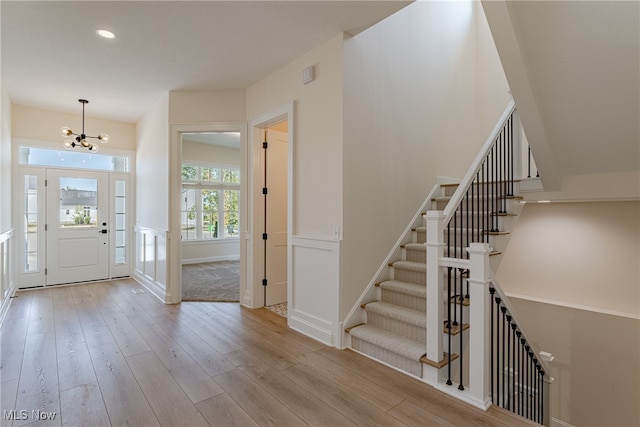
[{"x": 479, "y": 329}]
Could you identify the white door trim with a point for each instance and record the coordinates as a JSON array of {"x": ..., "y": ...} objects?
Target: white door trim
[{"x": 253, "y": 296}]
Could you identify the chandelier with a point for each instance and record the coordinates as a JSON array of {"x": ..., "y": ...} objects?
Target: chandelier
[{"x": 80, "y": 139}]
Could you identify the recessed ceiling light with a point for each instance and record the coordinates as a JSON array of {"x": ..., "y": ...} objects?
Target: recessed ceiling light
[
  {"x": 105, "y": 33},
  {"x": 544, "y": 201}
]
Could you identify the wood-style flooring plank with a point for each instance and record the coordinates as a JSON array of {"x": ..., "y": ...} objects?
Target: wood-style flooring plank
[
  {"x": 295, "y": 397},
  {"x": 340, "y": 398},
  {"x": 13, "y": 337},
  {"x": 221, "y": 410},
  {"x": 195, "y": 382},
  {"x": 125, "y": 334},
  {"x": 74, "y": 362},
  {"x": 95, "y": 330},
  {"x": 83, "y": 406},
  {"x": 41, "y": 313},
  {"x": 8, "y": 395},
  {"x": 169, "y": 402},
  {"x": 411, "y": 389},
  {"x": 38, "y": 386},
  {"x": 357, "y": 383},
  {"x": 123, "y": 398},
  {"x": 415, "y": 416},
  {"x": 207, "y": 332},
  {"x": 200, "y": 351},
  {"x": 283, "y": 342},
  {"x": 136, "y": 315},
  {"x": 255, "y": 401}
]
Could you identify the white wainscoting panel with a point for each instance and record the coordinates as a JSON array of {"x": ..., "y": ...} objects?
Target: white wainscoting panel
[
  {"x": 314, "y": 296},
  {"x": 7, "y": 282},
  {"x": 150, "y": 268}
]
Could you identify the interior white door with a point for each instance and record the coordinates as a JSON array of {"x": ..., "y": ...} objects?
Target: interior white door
[
  {"x": 276, "y": 247},
  {"x": 77, "y": 226}
]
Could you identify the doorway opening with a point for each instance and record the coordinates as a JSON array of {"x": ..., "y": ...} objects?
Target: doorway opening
[
  {"x": 275, "y": 234},
  {"x": 271, "y": 156},
  {"x": 74, "y": 210},
  {"x": 210, "y": 216},
  {"x": 208, "y": 210}
]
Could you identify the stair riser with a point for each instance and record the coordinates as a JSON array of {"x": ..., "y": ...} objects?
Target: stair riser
[
  {"x": 372, "y": 350},
  {"x": 416, "y": 256},
  {"x": 404, "y": 300},
  {"x": 420, "y": 236},
  {"x": 410, "y": 276},
  {"x": 417, "y": 333}
]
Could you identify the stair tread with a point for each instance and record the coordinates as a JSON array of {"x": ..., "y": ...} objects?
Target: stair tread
[
  {"x": 396, "y": 312},
  {"x": 407, "y": 288},
  {"x": 410, "y": 265},
  {"x": 398, "y": 344},
  {"x": 416, "y": 247}
]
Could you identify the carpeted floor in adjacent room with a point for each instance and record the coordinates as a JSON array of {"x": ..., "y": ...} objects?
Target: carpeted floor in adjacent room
[{"x": 211, "y": 281}]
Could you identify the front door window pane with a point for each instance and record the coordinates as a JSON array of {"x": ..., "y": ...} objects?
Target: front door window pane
[
  {"x": 120, "y": 229},
  {"x": 78, "y": 202},
  {"x": 30, "y": 212}
]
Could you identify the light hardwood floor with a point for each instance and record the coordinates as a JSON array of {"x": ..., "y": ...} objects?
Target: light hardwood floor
[{"x": 100, "y": 354}]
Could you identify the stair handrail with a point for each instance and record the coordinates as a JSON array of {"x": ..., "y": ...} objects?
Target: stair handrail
[
  {"x": 537, "y": 408},
  {"x": 466, "y": 182},
  {"x": 512, "y": 312}
]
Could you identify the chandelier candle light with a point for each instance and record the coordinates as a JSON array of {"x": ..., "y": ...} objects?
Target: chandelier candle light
[{"x": 81, "y": 138}]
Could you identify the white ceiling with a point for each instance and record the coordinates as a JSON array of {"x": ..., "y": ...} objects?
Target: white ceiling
[
  {"x": 51, "y": 55},
  {"x": 581, "y": 76}
]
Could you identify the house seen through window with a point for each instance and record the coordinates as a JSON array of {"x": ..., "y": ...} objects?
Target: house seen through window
[{"x": 209, "y": 202}]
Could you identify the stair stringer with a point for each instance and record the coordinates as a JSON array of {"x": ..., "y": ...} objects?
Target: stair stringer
[{"x": 356, "y": 315}]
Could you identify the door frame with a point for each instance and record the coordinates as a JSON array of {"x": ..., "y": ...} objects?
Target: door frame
[
  {"x": 255, "y": 255},
  {"x": 173, "y": 293},
  {"x": 37, "y": 279}
]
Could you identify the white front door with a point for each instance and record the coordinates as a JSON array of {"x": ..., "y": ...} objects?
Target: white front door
[
  {"x": 77, "y": 226},
  {"x": 276, "y": 245}
]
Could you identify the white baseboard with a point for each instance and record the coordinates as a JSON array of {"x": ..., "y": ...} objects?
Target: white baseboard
[
  {"x": 6, "y": 303},
  {"x": 559, "y": 423},
  {"x": 211, "y": 259},
  {"x": 155, "y": 288},
  {"x": 316, "y": 328}
]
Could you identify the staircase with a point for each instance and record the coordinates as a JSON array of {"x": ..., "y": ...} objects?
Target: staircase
[
  {"x": 436, "y": 311},
  {"x": 394, "y": 330}
]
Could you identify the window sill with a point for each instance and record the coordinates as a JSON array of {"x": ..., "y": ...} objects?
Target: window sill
[{"x": 211, "y": 241}]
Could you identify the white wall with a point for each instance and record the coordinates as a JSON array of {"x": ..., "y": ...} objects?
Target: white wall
[
  {"x": 596, "y": 366},
  {"x": 317, "y": 135},
  {"x": 152, "y": 261},
  {"x": 583, "y": 254},
  {"x": 421, "y": 95},
  {"x": 5, "y": 160},
  {"x": 207, "y": 106},
  {"x": 209, "y": 153},
  {"x": 44, "y": 125},
  {"x": 571, "y": 272},
  {"x": 152, "y": 168}
]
